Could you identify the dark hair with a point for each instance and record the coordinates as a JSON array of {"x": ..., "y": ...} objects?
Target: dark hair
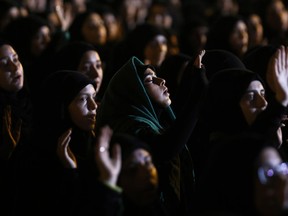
[{"x": 129, "y": 143}]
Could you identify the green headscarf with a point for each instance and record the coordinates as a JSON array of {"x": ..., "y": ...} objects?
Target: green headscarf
[{"x": 126, "y": 106}]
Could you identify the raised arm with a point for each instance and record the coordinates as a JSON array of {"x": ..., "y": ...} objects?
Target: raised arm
[{"x": 277, "y": 75}]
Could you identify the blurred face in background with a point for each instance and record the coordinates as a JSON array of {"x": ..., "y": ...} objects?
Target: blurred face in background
[
  {"x": 41, "y": 40},
  {"x": 239, "y": 38},
  {"x": 156, "y": 50},
  {"x": 139, "y": 177},
  {"x": 93, "y": 30},
  {"x": 91, "y": 66}
]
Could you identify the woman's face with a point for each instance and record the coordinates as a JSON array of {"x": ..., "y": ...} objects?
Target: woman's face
[
  {"x": 11, "y": 70},
  {"x": 156, "y": 88},
  {"x": 139, "y": 168},
  {"x": 255, "y": 30},
  {"x": 41, "y": 40},
  {"x": 239, "y": 38},
  {"x": 276, "y": 16},
  {"x": 83, "y": 109},
  {"x": 91, "y": 66},
  {"x": 253, "y": 102},
  {"x": 94, "y": 30},
  {"x": 156, "y": 50}
]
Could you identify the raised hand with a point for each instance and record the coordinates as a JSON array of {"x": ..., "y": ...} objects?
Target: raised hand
[
  {"x": 64, "y": 15},
  {"x": 64, "y": 153},
  {"x": 277, "y": 75},
  {"x": 109, "y": 165},
  {"x": 11, "y": 134},
  {"x": 198, "y": 60}
]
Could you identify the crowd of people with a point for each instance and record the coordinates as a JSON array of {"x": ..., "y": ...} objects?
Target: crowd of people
[{"x": 144, "y": 107}]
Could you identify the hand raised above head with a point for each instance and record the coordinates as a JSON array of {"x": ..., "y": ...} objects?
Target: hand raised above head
[
  {"x": 198, "y": 60},
  {"x": 277, "y": 75}
]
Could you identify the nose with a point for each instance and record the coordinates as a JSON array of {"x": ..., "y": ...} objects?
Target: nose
[
  {"x": 261, "y": 102},
  {"x": 92, "y": 105},
  {"x": 159, "y": 81},
  {"x": 94, "y": 73},
  {"x": 13, "y": 66}
]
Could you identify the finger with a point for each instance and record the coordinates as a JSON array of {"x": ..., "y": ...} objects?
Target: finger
[
  {"x": 7, "y": 116},
  {"x": 65, "y": 136},
  {"x": 17, "y": 131},
  {"x": 104, "y": 137},
  {"x": 66, "y": 142},
  {"x": 278, "y": 61},
  {"x": 286, "y": 59},
  {"x": 282, "y": 57},
  {"x": 116, "y": 154},
  {"x": 70, "y": 153}
]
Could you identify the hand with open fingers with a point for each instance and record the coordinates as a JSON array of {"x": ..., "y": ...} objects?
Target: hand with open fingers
[
  {"x": 64, "y": 153},
  {"x": 108, "y": 165},
  {"x": 198, "y": 60},
  {"x": 11, "y": 134},
  {"x": 277, "y": 75},
  {"x": 64, "y": 15}
]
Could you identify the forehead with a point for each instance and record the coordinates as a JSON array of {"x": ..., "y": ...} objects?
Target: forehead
[
  {"x": 255, "y": 85},
  {"x": 89, "y": 89},
  {"x": 91, "y": 54},
  {"x": 149, "y": 71},
  {"x": 6, "y": 50}
]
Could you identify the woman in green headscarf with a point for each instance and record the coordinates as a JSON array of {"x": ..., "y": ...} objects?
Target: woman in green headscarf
[{"x": 137, "y": 102}]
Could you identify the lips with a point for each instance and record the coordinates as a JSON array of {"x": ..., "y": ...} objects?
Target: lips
[
  {"x": 166, "y": 91},
  {"x": 16, "y": 78},
  {"x": 92, "y": 117}
]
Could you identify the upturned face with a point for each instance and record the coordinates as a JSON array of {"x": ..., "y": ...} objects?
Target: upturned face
[{"x": 156, "y": 89}]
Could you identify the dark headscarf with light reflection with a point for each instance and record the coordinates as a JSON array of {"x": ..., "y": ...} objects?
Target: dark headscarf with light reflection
[
  {"x": 59, "y": 90},
  {"x": 225, "y": 91}
]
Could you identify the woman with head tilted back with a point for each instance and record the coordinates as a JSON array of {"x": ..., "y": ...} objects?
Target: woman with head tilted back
[{"x": 138, "y": 102}]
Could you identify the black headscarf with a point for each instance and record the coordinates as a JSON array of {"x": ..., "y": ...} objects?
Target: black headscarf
[
  {"x": 69, "y": 57},
  {"x": 58, "y": 91},
  {"x": 218, "y": 59},
  {"x": 225, "y": 91},
  {"x": 257, "y": 60}
]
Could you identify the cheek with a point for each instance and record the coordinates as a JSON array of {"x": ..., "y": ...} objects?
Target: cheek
[{"x": 77, "y": 113}]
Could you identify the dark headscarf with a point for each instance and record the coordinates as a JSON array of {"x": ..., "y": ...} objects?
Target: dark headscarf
[
  {"x": 75, "y": 29},
  {"x": 58, "y": 91},
  {"x": 172, "y": 70},
  {"x": 219, "y": 34},
  {"x": 225, "y": 91},
  {"x": 217, "y": 59},
  {"x": 20, "y": 33},
  {"x": 126, "y": 105},
  {"x": 69, "y": 57},
  {"x": 138, "y": 39},
  {"x": 257, "y": 60},
  {"x": 128, "y": 144}
]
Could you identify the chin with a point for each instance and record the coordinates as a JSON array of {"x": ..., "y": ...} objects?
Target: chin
[{"x": 16, "y": 88}]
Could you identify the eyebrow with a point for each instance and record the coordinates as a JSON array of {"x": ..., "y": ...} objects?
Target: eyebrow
[
  {"x": 5, "y": 57},
  {"x": 150, "y": 72}
]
